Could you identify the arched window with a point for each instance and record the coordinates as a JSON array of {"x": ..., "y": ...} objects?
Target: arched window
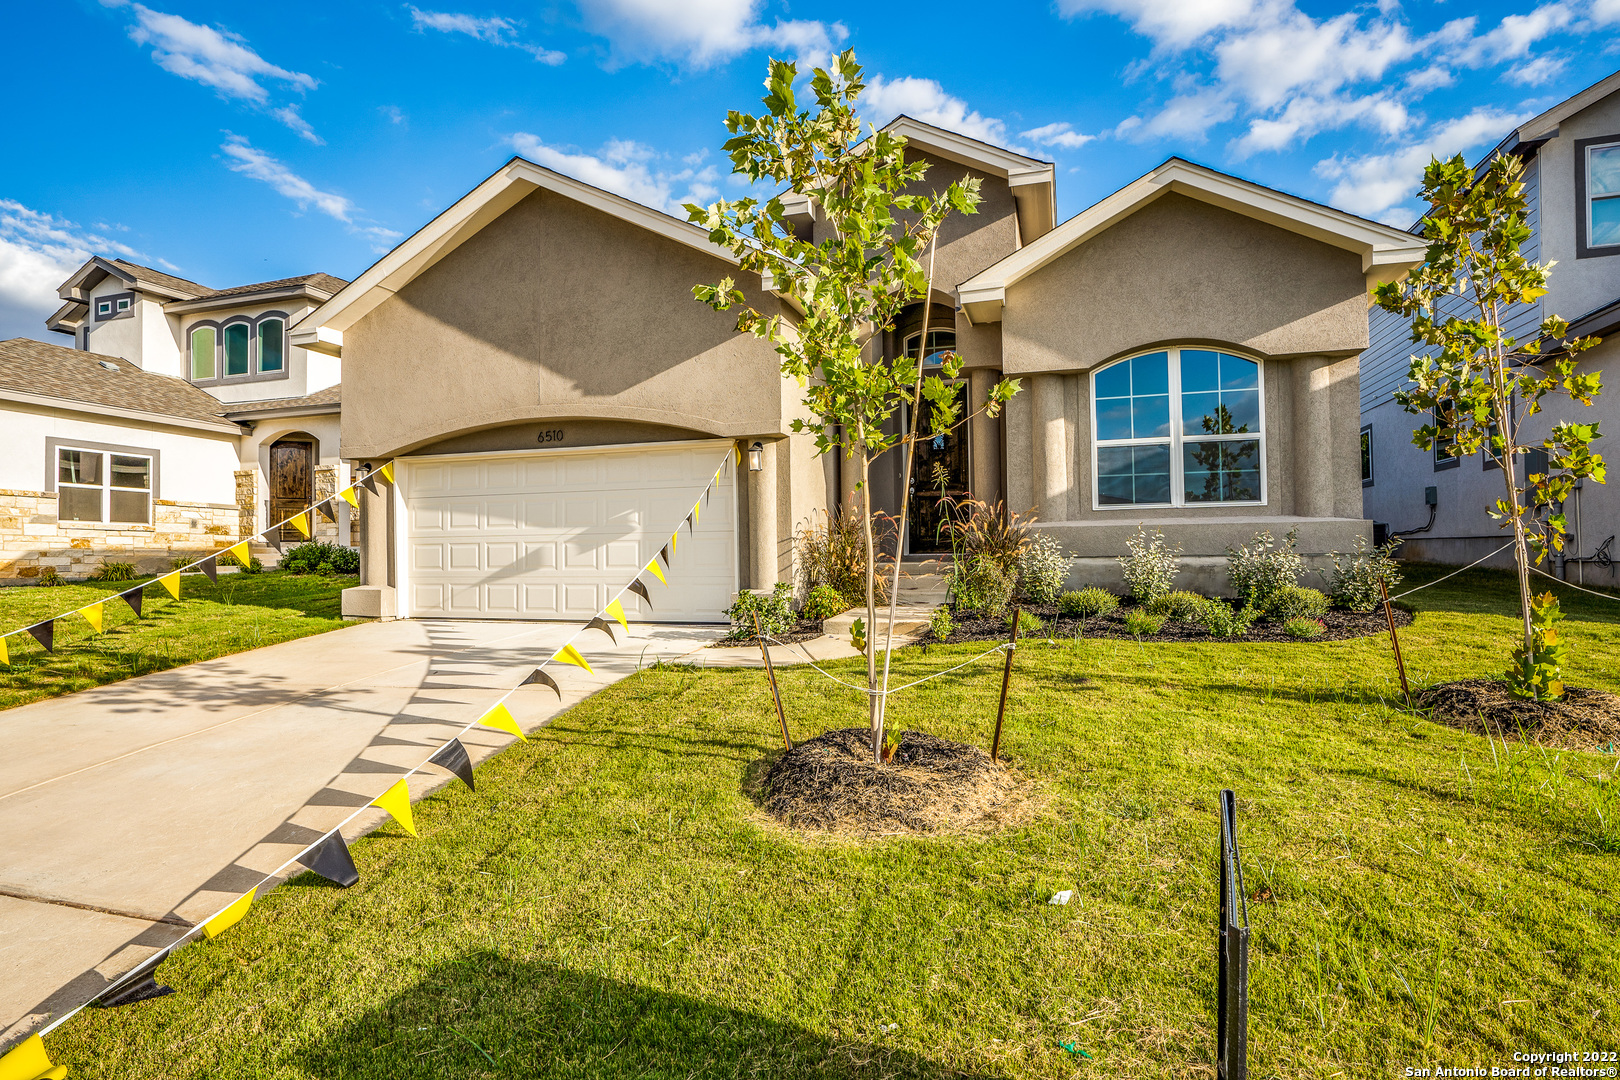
[
  {"x": 272, "y": 345},
  {"x": 1178, "y": 427},
  {"x": 236, "y": 348},
  {"x": 202, "y": 353},
  {"x": 940, "y": 342}
]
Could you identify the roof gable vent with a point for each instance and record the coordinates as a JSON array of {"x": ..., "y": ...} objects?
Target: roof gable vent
[{"x": 108, "y": 364}]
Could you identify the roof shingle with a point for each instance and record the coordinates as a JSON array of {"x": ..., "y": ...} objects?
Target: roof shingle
[
  {"x": 158, "y": 277},
  {"x": 326, "y": 283},
  {"x": 329, "y": 396},
  {"x": 35, "y": 367}
]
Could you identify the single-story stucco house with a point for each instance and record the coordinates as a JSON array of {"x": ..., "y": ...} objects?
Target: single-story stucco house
[{"x": 554, "y": 397}]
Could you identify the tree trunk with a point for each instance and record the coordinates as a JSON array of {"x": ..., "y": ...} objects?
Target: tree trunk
[
  {"x": 873, "y": 705},
  {"x": 1506, "y": 424}
]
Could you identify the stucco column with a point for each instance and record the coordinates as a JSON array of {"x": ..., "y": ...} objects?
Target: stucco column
[
  {"x": 1313, "y": 437},
  {"x": 374, "y": 538},
  {"x": 762, "y": 553},
  {"x": 1050, "y": 448},
  {"x": 984, "y": 439}
]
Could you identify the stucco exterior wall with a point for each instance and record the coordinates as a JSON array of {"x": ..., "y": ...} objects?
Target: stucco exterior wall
[
  {"x": 1182, "y": 271},
  {"x": 1577, "y": 285},
  {"x": 556, "y": 310},
  {"x": 325, "y": 432}
]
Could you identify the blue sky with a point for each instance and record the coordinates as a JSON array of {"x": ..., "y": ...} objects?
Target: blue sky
[{"x": 231, "y": 143}]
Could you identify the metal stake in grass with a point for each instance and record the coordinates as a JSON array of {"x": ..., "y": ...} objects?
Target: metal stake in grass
[
  {"x": 781, "y": 717},
  {"x": 1389, "y": 613},
  {"x": 1006, "y": 677}
]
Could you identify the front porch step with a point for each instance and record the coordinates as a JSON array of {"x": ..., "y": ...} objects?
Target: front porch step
[{"x": 909, "y": 619}]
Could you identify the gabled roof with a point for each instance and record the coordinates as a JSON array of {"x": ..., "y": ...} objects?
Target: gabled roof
[
  {"x": 1386, "y": 252},
  {"x": 37, "y": 373},
  {"x": 97, "y": 269},
  {"x": 67, "y": 318},
  {"x": 322, "y": 330},
  {"x": 1031, "y": 179},
  {"x": 1541, "y": 128},
  {"x": 321, "y": 401}
]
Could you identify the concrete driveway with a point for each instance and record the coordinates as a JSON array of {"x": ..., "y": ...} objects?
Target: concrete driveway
[{"x": 130, "y": 811}]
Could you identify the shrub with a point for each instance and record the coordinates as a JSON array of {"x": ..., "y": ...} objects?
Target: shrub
[
  {"x": 1296, "y": 602},
  {"x": 979, "y": 586},
  {"x": 49, "y": 578},
  {"x": 981, "y": 531},
  {"x": 1087, "y": 602},
  {"x": 1261, "y": 569},
  {"x": 1304, "y": 628},
  {"x": 1028, "y": 624},
  {"x": 116, "y": 571},
  {"x": 1149, "y": 566},
  {"x": 1042, "y": 569},
  {"x": 940, "y": 623},
  {"x": 824, "y": 602},
  {"x": 1356, "y": 576},
  {"x": 1180, "y": 604},
  {"x": 833, "y": 553},
  {"x": 1143, "y": 624},
  {"x": 1224, "y": 621},
  {"x": 1537, "y": 668},
  {"x": 310, "y": 557},
  {"x": 775, "y": 611}
]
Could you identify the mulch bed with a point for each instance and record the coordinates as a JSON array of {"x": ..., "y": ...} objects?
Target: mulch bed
[
  {"x": 1340, "y": 624},
  {"x": 803, "y": 631},
  {"x": 1583, "y": 720},
  {"x": 931, "y": 785}
]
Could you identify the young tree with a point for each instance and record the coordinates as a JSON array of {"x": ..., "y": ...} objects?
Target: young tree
[
  {"x": 852, "y": 285},
  {"x": 1479, "y": 385}
]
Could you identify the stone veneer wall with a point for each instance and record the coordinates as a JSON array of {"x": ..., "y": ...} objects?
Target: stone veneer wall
[
  {"x": 31, "y": 539},
  {"x": 247, "y": 501},
  {"x": 325, "y": 488}
]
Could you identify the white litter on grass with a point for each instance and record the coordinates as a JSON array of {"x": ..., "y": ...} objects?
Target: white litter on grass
[{"x": 1062, "y": 898}]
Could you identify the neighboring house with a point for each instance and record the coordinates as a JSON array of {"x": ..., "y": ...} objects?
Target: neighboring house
[
  {"x": 181, "y": 419},
  {"x": 554, "y": 397},
  {"x": 1440, "y": 504}
]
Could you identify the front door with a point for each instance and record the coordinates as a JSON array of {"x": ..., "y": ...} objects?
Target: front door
[
  {"x": 939, "y": 480},
  {"x": 291, "y": 484}
]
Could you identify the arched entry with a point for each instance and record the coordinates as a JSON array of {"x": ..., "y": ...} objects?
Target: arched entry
[{"x": 291, "y": 480}]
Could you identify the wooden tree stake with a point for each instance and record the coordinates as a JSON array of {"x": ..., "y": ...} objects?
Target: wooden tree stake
[
  {"x": 781, "y": 717},
  {"x": 1006, "y": 677},
  {"x": 1389, "y": 613}
]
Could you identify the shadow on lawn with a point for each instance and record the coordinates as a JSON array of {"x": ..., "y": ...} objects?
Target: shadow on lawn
[{"x": 488, "y": 1015}]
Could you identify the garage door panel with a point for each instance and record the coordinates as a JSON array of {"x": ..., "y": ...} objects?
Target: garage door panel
[{"x": 558, "y": 534}]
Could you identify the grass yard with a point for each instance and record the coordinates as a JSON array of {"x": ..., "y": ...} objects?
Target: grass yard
[
  {"x": 242, "y": 611},
  {"x": 610, "y": 903}
]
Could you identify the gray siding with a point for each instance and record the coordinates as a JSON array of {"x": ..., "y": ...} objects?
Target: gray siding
[{"x": 1388, "y": 357}]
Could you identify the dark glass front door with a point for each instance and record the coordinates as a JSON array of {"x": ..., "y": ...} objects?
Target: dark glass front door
[{"x": 939, "y": 480}]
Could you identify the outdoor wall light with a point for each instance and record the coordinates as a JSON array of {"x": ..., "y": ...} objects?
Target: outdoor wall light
[{"x": 756, "y": 457}]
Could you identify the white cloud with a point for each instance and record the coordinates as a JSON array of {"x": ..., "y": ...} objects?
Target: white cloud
[
  {"x": 213, "y": 57},
  {"x": 1061, "y": 135},
  {"x": 1304, "y": 117},
  {"x": 1383, "y": 185},
  {"x": 705, "y": 32},
  {"x": 926, "y": 100},
  {"x": 289, "y": 115},
  {"x": 395, "y": 116},
  {"x": 249, "y": 160},
  {"x": 494, "y": 29},
  {"x": 1185, "y": 116},
  {"x": 38, "y": 252},
  {"x": 1542, "y": 69},
  {"x": 626, "y": 168},
  {"x": 1605, "y": 12},
  {"x": 1172, "y": 24},
  {"x": 1513, "y": 36}
]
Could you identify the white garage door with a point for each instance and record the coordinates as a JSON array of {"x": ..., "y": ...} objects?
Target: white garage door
[{"x": 556, "y": 534}]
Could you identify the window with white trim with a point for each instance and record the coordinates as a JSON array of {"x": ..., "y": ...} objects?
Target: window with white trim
[
  {"x": 1603, "y": 196},
  {"x": 1178, "y": 427},
  {"x": 235, "y": 337},
  {"x": 101, "y": 485},
  {"x": 272, "y": 345}
]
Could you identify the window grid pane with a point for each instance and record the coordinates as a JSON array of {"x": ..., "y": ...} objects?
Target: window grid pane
[
  {"x": 236, "y": 349},
  {"x": 78, "y": 467},
  {"x": 78, "y": 503},
  {"x": 1605, "y": 175},
  {"x": 131, "y": 507},
  {"x": 202, "y": 353},
  {"x": 270, "y": 345},
  {"x": 132, "y": 473},
  {"x": 1605, "y": 222}
]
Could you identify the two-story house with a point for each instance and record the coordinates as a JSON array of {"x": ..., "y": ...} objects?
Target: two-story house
[
  {"x": 1439, "y": 504},
  {"x": 180, "y": 419}
]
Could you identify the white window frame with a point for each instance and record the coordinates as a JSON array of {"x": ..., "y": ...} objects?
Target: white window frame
[
  {"x": 123, "y": 304},
  {"x": 104, "y": 307},
  {"x": 191, "y": 353},
  {"x": 257, "y": 345},
  {"x": 1592, "y": 199},
  {"x": 246, "y": 324},
  {"x": 106, "y": 485},
  {"x": 1175, "y": 440}
]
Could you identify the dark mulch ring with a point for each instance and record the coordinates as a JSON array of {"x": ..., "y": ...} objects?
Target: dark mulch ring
[
  {"x": 1582, "y": 720},
  {"x": 931, "y": 785},
  {"x": 1339, "y": 625},
  {"x": 802, "y": 631}
]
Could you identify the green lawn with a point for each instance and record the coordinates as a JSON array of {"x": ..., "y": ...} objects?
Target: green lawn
[
  {"x": 242, "y": 611},
  {"x": 610, "y": 904}
]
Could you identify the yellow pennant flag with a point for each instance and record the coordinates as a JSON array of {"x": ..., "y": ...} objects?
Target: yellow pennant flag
[
  {"x": 388, "y": 472},
  {"x": 659, "y": 574},
  {"x": 242, "y": 552},
  {"x": 231, "y": 915},
  {"x": 675, "y": 542},
  {"x": 570, "y": 655},
  {"x": 29, "y": 1061},
  {"x": 301, "y": 523},
  {"x": 397, "y": 801},
  {"x": 92, "y": 615},
  {"x": 347, "y": 495},
  {"x": 5, "y": 654},
  {"x": 697, "y": 514},
  {"x": 616, "y": 610},
  {"x": 500, "y": 718},
  {"x": 172, "y": 583}
]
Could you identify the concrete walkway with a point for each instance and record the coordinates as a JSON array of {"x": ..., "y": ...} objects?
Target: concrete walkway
[{"x": 133, "y": 810}]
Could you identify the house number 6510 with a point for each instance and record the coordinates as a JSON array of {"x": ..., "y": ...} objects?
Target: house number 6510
[{"x": 554, "y": 435}]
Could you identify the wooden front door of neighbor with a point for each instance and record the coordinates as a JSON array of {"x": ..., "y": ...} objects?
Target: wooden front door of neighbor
[{"x": 292, "y": 484}]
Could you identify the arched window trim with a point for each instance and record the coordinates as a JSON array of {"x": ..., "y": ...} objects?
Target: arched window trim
[
  {"x": 1174, "y": 441},
  {"x": 253, "y": 373},
  {"x": 914, "y": 338}
]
